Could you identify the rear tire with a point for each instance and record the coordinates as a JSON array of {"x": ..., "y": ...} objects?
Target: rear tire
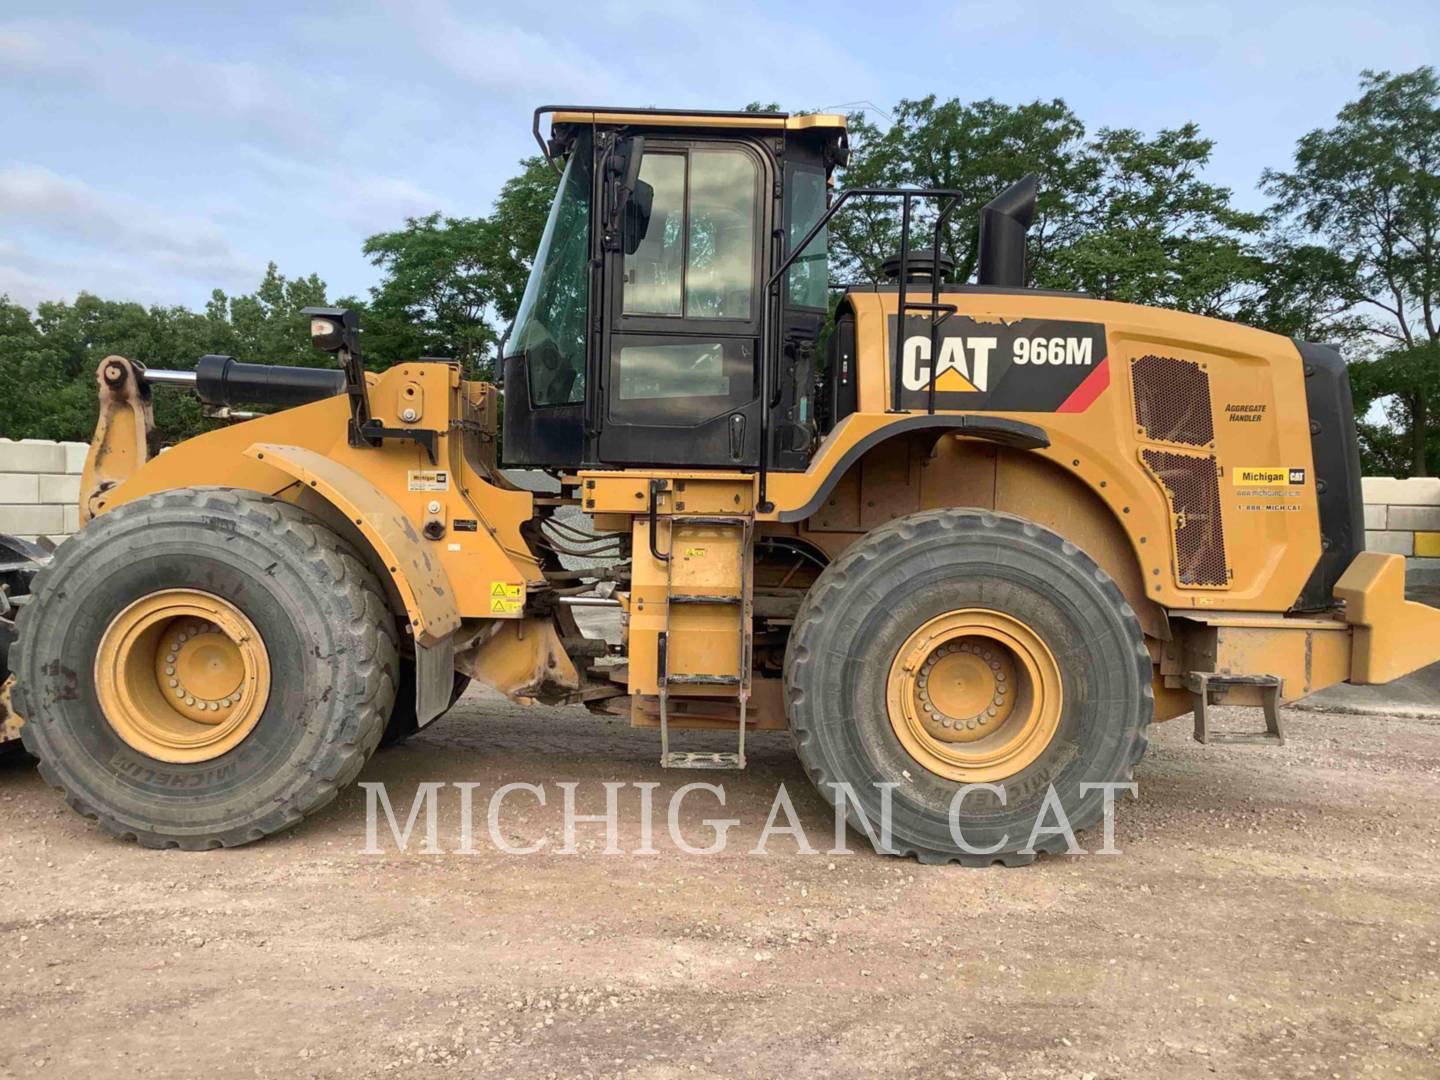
[
  {"x": 844, "y": 675},
  {"x": 318, "y": 611}
]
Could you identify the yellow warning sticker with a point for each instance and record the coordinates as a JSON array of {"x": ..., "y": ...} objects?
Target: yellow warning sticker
[
  {"x": 694, "y": 553},
  {"x": 1267, "y": 477},
  {"x": 506, "y": 599}
]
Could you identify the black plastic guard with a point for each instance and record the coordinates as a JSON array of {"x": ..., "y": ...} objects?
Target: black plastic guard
[{"x": 1337, "y": 471}]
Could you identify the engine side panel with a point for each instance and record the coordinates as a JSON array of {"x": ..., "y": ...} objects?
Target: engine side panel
[{"x": 1193, "y": 432}]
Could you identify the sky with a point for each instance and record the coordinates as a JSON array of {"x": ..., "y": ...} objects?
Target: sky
[{"x": 155, "y": 152}]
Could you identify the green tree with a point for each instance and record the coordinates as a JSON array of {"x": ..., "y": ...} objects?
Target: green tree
[
  {"x": 1368, "y": 190},
  {"x": 1146, "y": 229},
  {"x": 451, "y": 284},
  {"x": 266, "y": 327},
  {"x": 33, "y": 382},
  {"x": 515, "y": 226},
  {"x": 436, "y": 294},
  {"x": 48, "y": 360},
  {"x": 976, "y": 149}
]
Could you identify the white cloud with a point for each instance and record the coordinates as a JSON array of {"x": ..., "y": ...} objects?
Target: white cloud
[
  {"x": 505, "y": 58},
  {"x": 43, "y": 202},
  {"x": 71, "y": 56}
]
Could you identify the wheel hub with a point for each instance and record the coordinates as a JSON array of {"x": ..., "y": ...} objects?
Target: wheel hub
[
  {"x": 182, "y": 675},
  {"x": 963, "y": 689},
  {"x": 974, "y": 695}
]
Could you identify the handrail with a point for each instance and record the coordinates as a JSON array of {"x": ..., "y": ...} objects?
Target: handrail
[{"x": 938, "y": 312}]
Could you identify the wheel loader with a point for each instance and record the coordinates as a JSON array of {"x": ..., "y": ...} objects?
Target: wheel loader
[{"x": 964, "y": 541}]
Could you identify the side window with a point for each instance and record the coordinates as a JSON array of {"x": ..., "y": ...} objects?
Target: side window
[
  {"x": 720, "y": 260},
  {"x": 654, "y": 273},
  {"x": 697, "y": 260},
  {"x": 808, "y": 280},
  {"x": 671, "y": 380}
]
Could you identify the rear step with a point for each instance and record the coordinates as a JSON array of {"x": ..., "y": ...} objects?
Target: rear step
[
  {"x": 1202, "y": 684},
  {"x": 702, "y": 759},
  {"x": 703, "y": 680}
]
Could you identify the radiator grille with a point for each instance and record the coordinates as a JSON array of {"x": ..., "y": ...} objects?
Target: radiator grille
[
  {"x": 1194, "y": 490},
  {"x": 1172, "y": 400}
]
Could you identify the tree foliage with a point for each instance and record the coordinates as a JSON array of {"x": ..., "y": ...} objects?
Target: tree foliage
[
  {"x": 1349, "y": 252},
  {"x": 451, "y": 284},
  {"x": 48, "y": 358},
  {"x": 1368, "y": 190},
  {"x": 1119, "y": 215}
]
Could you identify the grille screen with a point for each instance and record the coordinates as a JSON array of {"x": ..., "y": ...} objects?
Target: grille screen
[
  {"x": 1194, "y": 490},
  {"x": 1172, "y": 400}
]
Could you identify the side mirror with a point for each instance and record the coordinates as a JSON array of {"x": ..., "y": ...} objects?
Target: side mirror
[
  {"x": 637, "y": 217},
  {"x": 622, "y": 177}
]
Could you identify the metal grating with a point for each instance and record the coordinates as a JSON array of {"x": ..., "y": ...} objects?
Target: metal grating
[
  {"x": 1172, "y": 400},
  {"x": 1194, "y": 489}
]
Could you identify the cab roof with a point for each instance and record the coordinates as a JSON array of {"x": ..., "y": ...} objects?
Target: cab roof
[
  {"x": 825, "y": 128},
  {"x": 602, "y": 114}
]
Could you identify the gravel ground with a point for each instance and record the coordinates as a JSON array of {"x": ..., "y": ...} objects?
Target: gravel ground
[{"x": 1273, "y": 913}]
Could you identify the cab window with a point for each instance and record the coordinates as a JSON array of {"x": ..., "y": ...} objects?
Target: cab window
[{"x": 697, "y": 260}]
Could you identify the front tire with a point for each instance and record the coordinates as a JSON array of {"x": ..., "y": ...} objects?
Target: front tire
[
  {"x": 953, "y": 648},
  {"x": 270, "y": 633}
]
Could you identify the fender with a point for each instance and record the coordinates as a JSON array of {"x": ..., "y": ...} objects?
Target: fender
[
  {"x": 997, "y": 429},
  {"x": 421, "y": 581}
]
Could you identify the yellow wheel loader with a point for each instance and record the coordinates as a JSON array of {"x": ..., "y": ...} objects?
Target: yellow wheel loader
[{"x": 965, "y": 542}]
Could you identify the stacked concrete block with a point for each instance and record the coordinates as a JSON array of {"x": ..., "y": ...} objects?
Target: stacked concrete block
[
  {"x": 1402, "y": 517},
  {"x": 40, "y": 488}
]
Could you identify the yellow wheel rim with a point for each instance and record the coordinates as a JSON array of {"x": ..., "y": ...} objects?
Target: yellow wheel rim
[
  {"x": 182, "y": 675},
  {"x": 974, "y": 695}
]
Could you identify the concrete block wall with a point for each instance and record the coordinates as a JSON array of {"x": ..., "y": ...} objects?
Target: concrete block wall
[
  {"x": 40, "y": 488},
  {"x": 40, "y": 493},
  {"x": 1402, "y": 517}
]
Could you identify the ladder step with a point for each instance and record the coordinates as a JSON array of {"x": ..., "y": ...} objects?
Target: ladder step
[
  {"x": 1202, "y": 684},
  {"x": 703, "y": 680},
  {"x": 702, "y": 759},
  {"x": 708, "y": 519},
  {"x": 698, "y": 598}
]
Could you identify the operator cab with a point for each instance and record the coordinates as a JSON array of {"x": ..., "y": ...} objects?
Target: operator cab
[{"x": 642, "y": 335}]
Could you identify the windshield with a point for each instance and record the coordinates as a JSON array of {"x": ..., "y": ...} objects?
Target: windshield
[{"x": 550, "y": 325}]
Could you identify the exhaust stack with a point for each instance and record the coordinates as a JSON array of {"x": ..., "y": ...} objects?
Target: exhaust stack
[{"x": 1003, "y": 223}]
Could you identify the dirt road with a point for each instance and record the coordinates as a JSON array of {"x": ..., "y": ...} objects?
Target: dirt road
[{"x": 1273, "y": 913}]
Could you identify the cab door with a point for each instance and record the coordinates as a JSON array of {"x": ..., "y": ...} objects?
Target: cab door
[{"x": 683, "y": 312}]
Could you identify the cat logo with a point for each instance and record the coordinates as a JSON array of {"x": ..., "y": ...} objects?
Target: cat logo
[
  {"x": 964, "y": 365},
  {"x": 1022, "y": 365}
]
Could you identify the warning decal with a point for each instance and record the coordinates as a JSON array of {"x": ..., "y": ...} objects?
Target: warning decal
[{"x": 506, "y": 599}]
